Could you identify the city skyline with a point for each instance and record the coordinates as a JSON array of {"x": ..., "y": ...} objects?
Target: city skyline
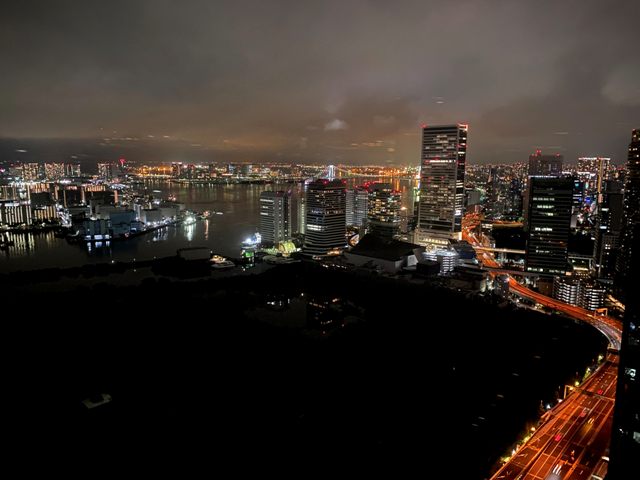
[{"x": 333, "y": 83}]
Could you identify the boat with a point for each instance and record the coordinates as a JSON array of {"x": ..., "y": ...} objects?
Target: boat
[{"x": 220, "y": 263}]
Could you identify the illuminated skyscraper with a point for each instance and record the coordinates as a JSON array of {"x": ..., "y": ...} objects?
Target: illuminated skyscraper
[
  {"x": 105, "y": 171},
  {"x": 608, "y": 226},
  {"x": 72, "y": 170},
  {"x": 549, "y": 219},
  {"x": 625, "y": 439},
  {"x": 325, "y": 229},
  {"x": 443, "y": 158},
  {"x": 275, "y": 217},
  {"x": 595, "y": 170},
  {"x": 54, "y": 171},
  {"x": 30, "y": 172},
  {"x": 631, "y": 213},
  {"x": 357, "y": 206},
  {"x": 384, "y": 211}
]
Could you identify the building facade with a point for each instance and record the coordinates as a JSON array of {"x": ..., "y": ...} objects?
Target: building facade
[
  {"x": 443, "y": 160},
  {"x": 549, "y": 220},
  {"x": 384, "y": 211},
  {"x": 631, "y": 214},
  {"x": 325, "y": 230},
  {"x": 275, "y": 217}
]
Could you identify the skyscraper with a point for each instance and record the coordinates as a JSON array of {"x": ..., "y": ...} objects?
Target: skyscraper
[
  {"x": 549, "y": 219},
  {"x": 30, "y": 172},
  {"x": 357, "y": 206},
  {"x": 72, "y": 170},
  {"x": 443, "y": 158},
  {"x": 325, "y": 220},
  {"x": 53, "y": 171},
  {"x": 595, "y": 170},
  {"x": 631, "y": 213},
  {"x": 384, "y": 211},
  {"x": 625, "y": 438},
  {"x": 546, "y": 165},
  {"x": 275, "y": 217},
  {"x": 105, "y": 171},
  {"x": 608, "y": 226}
]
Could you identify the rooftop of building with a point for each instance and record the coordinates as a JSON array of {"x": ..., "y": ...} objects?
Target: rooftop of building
[{"x": 376, "y": 247}]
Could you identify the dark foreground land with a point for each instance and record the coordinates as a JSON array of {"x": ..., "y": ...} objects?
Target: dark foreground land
[{"x": 298, "y": 369}]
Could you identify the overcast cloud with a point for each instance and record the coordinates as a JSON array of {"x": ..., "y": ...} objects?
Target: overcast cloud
[{"x": 334, "y": 81}]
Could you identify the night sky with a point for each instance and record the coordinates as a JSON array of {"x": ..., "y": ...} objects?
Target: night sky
[{"x": 329, "y": 81}]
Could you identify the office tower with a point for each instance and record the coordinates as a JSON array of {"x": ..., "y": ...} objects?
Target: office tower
[
  {"x": 625, "y": 439},
  {"x": 72, "y": 170},
  {"x": 105, "y": 171},
  {"x": 30, "y": 172},
  {"x": 595, "y": 170},
  {"x": 608, "y": 226},
  {"x": 275, "y": 217},
  {"x": 545, "y": 165},
  {"x": 301, "y": 208},
  {"x": 325, "y": 217},
  {"x": 549, "y": 218},
  {"x": 384, "y": 211},
  {"x": 443, "y": 158},
  {"x": 357, "y": 201},
  {"x": 54, "y": 171},
  {"x": 631, "y": 213},
  {"x": 350, "y": 205}
]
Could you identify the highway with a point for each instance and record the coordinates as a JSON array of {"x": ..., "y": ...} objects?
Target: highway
[
  {"x": 575, "y": 435},
  {"x": 573, "y": 441}
]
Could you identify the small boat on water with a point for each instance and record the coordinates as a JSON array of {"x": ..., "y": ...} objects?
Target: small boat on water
[{"x": 220, "y": 263}]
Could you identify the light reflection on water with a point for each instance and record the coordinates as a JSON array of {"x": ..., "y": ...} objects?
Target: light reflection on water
[{"x": 223, "y": 233}]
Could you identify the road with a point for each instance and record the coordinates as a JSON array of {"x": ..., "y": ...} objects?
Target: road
[
  {"x": 575, "y": 435},
  {"x": 570, "y": 444}
]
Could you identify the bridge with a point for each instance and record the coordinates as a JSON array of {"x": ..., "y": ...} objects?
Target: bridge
[{"x": 331, "y": 172}]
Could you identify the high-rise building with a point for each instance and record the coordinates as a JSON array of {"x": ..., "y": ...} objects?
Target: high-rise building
[
  {"x": 608, "y": 226},
  {"x": 384, "y": 211},
  {"x": 631, "y": 213},
  {"x": 545, "y": 165},
  {"x": 625, "y": 439},
  {"x": 443, "y": 159},
  {"x": 595, "y": 170},
  {"x": 105, "y": 171},
  {"x": 30, "y": 172},
  {"x": 357, "y": 205},
  {"x": 301, "y": 208},
  {"x": 275, "y": 217},
  {"x": 54, "y": 171},
  {"x": 72, "y": 170},
  {"x": 350, "y": 205},
  {"x": 325, "y": 229},
  {"x": 549, "y": 219}
]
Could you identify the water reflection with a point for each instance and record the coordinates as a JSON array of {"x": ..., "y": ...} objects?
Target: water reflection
[{"x": 239, "y": 205}]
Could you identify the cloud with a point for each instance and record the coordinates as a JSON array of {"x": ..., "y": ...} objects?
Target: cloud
[
  {"x": 335, "y": 124},
  {"x": 266, "y": 74}
]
